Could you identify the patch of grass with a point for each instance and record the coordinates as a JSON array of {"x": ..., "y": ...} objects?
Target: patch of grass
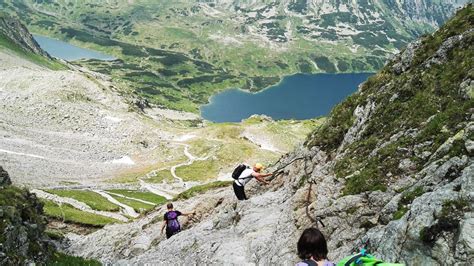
[
  {"x": 253, "y": 120},
  {"x": 225, "y": 131},
  {"x": 325, "y": 64},
  {"x": 409, "y": 196},
  {"x": 352, "y": 210},
  {"x": 54, "y": 234},
  {"x": 199, "y": 170},
  {"x": 132, "y": 175},
  {"x": 147, "y": 196},
  {"x": 202, "y": 189},
  {"x": 138, "y": 206},
  {"x": 331, "y": 133},
  {"x": 230, "y": 153},
  {"x": 369, "y": 179},
  {"x": 458, "y": 148},
  {"x": 400, "y": 212},
  {"x": 68, "y": 183},
  {"x": 407, "y": 199},
  {"x": 61, "y": 259},
  {"x": 94, "y": 200},
  {"x": 202, "y": 147},
  {"x": 461, "y": 22},
  {"x": 69, "y": 214},
  {"x": 127, "y": 178},
  {"x": 161, "y": 176}
]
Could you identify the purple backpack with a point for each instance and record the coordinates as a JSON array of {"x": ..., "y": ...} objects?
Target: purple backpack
[{"x": 173, "y": 224}]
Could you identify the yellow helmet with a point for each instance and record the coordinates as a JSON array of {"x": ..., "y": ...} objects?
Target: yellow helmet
[{"x": 258, "y": 166}]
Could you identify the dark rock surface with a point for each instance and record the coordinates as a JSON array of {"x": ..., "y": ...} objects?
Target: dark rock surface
[
  {"x": 22, "y": 226},
  {"x": 4, "y": 178}
]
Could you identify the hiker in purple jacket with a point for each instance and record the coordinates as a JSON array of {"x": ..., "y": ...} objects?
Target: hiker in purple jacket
[
  {"x": 170, "y": 220},
  {"x": 313, "y": 249}
]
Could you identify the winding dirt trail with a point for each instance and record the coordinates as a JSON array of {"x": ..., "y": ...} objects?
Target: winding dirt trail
[
  {"x": 158, "y": 190},
  {"x": 191, "y": 160},
  {"x": 169, "y": 191},
  {"x": 125, "y": 208},
  {"x": 130, "y": 198}
]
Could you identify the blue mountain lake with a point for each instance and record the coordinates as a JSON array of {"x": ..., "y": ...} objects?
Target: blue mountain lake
[
  {"x": 68, "y": 51},
  {"x": 300, "y": 96}
]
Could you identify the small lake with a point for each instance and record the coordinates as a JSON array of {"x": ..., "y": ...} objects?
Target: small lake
[
  {"x": 300, "y": 96},
  {"x": 68, "y": 51}
]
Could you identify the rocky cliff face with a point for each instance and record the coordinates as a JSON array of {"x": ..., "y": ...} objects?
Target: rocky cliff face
[
  {"x": 391, "y": 171},
  {"x": 22, "y": 237},
  {"x": 14, "y": 30},
  {"x": 401, "y": 155}
]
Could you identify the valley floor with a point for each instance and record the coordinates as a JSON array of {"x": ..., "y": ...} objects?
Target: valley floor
[{"x": 69, "y": 132}]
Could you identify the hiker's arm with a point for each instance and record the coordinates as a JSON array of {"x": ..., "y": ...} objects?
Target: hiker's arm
[
  {"x": 188, "y": 213},
  {"x": 163, "y": 226},
  {"x": 260, "y": 177},
  {"x": 257, "y": 175},
  {"x": 266, "y": 175}
]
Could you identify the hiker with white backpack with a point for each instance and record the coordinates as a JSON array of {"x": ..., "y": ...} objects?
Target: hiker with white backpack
[
  {"x": 170, "y": 220},
  {"x": 243, "y": 174}
]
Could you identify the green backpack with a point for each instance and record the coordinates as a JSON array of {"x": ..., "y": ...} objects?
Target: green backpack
[{"x": 364, "y": 259}]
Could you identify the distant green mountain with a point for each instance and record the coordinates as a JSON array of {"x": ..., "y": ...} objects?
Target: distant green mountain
[{"x": 178, "y": 53}]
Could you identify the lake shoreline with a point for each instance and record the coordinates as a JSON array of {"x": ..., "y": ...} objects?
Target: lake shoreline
[
  {"x": 209, "y": 100},
  {"x": 67, "y": 51},
  {"x": 340, "y": 85}
]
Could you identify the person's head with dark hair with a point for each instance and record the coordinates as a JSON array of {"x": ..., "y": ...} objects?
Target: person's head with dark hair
[
  {"x": 312, "y": 245},
  {"x": 169, "y": 206}
]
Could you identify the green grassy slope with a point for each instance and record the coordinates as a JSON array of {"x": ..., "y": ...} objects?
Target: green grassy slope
[
  {"x": 415, "y": 112},
  {"x": 94, "y": 200},
  {"x": 69, "y": 214},
  {"x": 202, "y": 189},
  {"x": 61, "y": 259}
]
